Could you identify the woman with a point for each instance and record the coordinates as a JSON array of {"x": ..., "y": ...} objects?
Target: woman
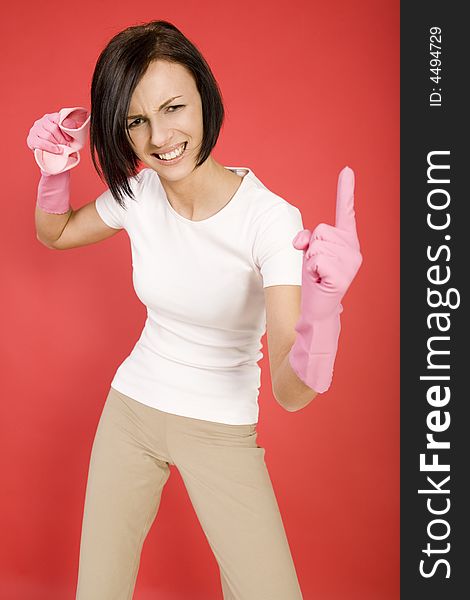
[{"x": 216, "y": 264}]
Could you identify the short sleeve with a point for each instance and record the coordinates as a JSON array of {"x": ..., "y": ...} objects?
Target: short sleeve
[
  {"x": 279, "y": 262},
  {"x": 110, "y": 211}
]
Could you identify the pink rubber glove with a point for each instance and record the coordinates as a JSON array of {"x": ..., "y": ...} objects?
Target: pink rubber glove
[
  {"x": 331, "y": 260},
  {"x": 49, "y": 136},
  {"x": 54, "y": 193}
]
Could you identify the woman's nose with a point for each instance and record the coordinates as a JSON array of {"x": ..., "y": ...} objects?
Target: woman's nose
[{"x": 159, "y": 135}]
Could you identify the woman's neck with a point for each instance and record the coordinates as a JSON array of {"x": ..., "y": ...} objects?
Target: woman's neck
[{"x": 204, "y": 192}]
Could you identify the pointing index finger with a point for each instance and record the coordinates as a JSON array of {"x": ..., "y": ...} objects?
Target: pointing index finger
[{"x": 345, "y": 215}]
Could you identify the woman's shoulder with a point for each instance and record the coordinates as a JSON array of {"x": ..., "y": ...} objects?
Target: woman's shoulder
[
  {"x": 145, "y": 181},
  {"x": 266, "y": 198},
  {"x": 145, "y": 175}
]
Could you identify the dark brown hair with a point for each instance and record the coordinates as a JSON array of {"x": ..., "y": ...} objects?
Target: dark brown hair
[{"x": 118, "y": 70}]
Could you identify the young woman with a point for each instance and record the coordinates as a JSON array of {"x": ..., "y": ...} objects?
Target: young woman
[{"x": 216, "y": 261}]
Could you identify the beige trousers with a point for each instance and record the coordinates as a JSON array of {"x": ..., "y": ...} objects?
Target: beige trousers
[{"x": 227, "y": 480}]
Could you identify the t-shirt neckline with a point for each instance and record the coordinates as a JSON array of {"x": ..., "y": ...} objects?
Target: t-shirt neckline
[{"x": 224, "y": 209}]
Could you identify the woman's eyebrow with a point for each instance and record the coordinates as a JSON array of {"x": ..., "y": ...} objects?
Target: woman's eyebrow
[{"x": 160, "y": 107}]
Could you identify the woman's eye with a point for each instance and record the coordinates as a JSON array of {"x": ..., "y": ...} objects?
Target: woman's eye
[
  {"x": 175, "y": 106},
  {"x": 136, "y": 124}
]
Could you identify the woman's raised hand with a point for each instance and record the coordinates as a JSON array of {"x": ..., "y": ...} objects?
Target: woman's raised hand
[
  {"x": 57, "y": 138},
  {"x": 331, "y": 260},
  {"x": 45, "y": 134},
  {"x": 332, "y": 255}
]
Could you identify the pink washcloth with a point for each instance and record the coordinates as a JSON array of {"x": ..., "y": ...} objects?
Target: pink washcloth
[{"x": 58, "y": 163}]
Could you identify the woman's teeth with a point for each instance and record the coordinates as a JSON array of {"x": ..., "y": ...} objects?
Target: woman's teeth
[{"x": 173, "y": 154}]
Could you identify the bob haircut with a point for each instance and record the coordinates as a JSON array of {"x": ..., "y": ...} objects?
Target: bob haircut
[{"x": 118, "y": 70}]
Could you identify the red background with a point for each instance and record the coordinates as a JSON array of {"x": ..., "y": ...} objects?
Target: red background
[{"x": 309, "y": 87}]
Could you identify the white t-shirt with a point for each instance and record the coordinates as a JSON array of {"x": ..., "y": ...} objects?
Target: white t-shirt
[{"x": 202, "y": 284}]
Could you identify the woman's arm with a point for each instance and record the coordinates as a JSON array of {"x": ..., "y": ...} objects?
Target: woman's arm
[
  {"x": 282, "y": 313},
  {"x": 77, "y": 228}
]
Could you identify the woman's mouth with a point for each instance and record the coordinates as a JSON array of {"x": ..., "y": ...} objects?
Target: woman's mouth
[{"x": 172, "y": 157}]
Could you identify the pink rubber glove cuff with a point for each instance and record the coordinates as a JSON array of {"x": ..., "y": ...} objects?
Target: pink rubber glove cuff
[
  {"x": 313, "y": 354},
  {"x": 54, "y": 192}
]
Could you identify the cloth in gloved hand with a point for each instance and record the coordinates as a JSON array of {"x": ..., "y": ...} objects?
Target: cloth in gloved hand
[{"x": 74, "y": 124}]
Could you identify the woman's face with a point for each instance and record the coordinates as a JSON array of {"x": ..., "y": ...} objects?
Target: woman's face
[{"x": 165, "y": 112}]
